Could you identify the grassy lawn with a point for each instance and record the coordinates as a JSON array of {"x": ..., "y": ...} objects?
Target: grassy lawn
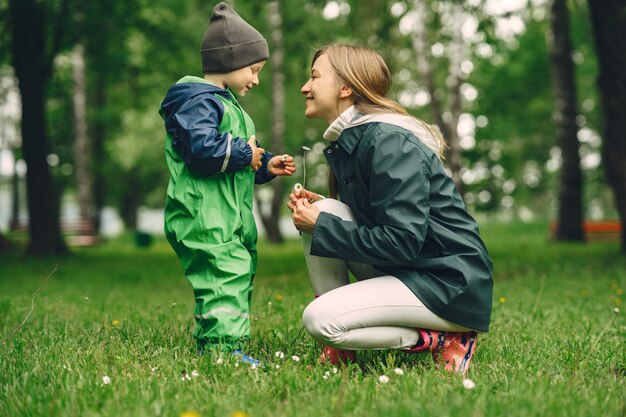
[{"x": 556, "y": 346}]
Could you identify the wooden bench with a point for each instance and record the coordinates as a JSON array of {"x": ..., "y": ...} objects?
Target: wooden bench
[
  {"x": 78, "y": 231},
  {"x": 601, "y": 231}
]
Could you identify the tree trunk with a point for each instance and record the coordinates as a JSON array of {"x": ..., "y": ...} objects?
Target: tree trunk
[
  {"x": 608, "y": 19},
  {"x": 571, "y": 214},
  {"x": 99, "y": 154},
  {"x": 32, "y": 70},
  {"x": 422, "y": 46},
  {"x": 81, "y": 144},
  {"x": 271, "y": 220},
  {"x": 455, "y": 56}
]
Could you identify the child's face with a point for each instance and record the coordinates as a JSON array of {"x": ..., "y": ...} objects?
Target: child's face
[{"x": 243, "y": 79}]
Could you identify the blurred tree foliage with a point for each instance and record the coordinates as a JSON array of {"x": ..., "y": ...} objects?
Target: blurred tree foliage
[{"x": 135, "y": 49}]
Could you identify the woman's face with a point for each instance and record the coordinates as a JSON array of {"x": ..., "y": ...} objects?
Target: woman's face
[{"x": 322, "y": 92}]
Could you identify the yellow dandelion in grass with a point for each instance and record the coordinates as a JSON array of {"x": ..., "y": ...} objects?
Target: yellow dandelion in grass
[
  {"x": 619, "y": 291},
  {"x": 279, "y": 297},
  {"x": 584, "y": 292},
  {"x": 502, "y": 300},
  {"x": 239, "y": 413},
  {"x": 115, "y": 323},
  {"x": 190, "y": 413}
]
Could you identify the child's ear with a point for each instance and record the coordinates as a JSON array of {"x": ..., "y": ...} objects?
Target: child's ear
[{"x": 345, "y": 91}]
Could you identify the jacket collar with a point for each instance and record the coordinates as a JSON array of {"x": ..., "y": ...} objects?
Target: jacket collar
[
  {"x": 336, "y": 128},
  {"x": 352, "y": 117}
]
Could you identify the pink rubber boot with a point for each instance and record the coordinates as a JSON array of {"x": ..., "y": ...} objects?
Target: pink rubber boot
[
  {"x": 337, "y": 357},
  {"x": 453, "y": 350}
]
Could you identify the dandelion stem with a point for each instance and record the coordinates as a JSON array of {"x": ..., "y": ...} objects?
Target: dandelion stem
[{"x": 304, "y": 149}]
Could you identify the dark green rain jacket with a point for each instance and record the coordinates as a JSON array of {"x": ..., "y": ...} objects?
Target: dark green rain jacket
[{"x": 410, "y": 221}]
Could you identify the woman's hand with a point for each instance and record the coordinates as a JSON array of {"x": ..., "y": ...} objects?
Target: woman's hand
[
  {"x": 303, "y": 214},
  {"x": 281, "y": 165}
]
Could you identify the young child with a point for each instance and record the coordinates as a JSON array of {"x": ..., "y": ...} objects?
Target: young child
[{"x": 214, "y": 162}]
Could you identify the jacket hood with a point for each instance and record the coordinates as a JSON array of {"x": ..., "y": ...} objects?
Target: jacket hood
[
  {"x": 186, "y": 88},
  {"x": 352, "y": 117}
]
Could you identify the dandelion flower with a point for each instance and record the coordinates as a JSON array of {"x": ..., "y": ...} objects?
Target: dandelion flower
[
  {"x": 190, "y": 413},
  {"x": 106, "y": 380},
  {"x": 383, "y": 379},
  {"x": 279, "y": 297},
  {"x": 619, "y": 291},
  {"x": 398, "y": 371},
  {"x": 279, "y": 355},
  {"x": 502, "y": 300},
  {"x": 115, "y": 323},
  {"x": 296, "y": 358},
  {"x": 239, "y": 413},
  {"x": 469, "y": 384}
]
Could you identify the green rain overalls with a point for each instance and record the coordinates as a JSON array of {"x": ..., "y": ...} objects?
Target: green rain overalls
[{"x": 210, "y": 225}]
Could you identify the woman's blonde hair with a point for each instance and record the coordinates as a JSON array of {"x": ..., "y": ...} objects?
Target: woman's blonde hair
[{"x": 365, "y": 72}]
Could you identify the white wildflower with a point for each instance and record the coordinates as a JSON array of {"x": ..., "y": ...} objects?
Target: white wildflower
[
  {"x": 334, "y": 370},
  {"x": 306, "y": 148},
  {"x": 616, "y": 310},
  {"x": 398, "y": 371},
  {"x": 280, "y": 355},
  {"x": 236, "y": 364},
  {"x": 383, "y": 379},
  {"x": 253, "y": 366},
  {"x": 173, "y": 305},
  {"x": 153, "y": 370},
  {"x": 219, "y": 360},
  {"x": 296, "y": 358},
  {"x": 106, "y": 380},
  {"x": 469, "y": 384},
  {"x": 195, "y": 373},
  {"x": 277, "y": 366}
]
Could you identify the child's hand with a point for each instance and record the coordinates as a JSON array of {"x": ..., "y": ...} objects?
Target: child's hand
[
  {"x": 255, "y": 163},
  {"x": 281, "y": 165}
]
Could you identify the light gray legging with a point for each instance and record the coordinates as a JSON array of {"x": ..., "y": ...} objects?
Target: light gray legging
[{"x": 377, "y": 312}]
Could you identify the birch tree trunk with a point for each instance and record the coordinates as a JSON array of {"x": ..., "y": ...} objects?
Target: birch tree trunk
[
  {"x": 563, "y": 83},
  {"x": 81, "y": 145},
  {"x": 271, "y": 219},
  {"x": 447, "y": 123}
]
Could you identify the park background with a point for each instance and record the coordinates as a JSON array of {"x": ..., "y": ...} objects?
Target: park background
[{"x": 529, "y": 94}]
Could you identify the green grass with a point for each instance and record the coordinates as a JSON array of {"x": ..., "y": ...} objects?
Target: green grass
[{"x": 556, "y": 347}]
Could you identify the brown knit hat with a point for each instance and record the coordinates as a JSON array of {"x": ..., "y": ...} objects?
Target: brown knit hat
[{"x": 230, "y": 43}]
